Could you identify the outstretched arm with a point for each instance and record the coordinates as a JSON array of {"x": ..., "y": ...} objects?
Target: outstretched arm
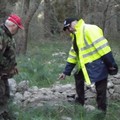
[{"x": 67, "y": 71}]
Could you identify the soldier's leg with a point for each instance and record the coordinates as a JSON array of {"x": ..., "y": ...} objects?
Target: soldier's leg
[
  {"x": 7, "y": 89},
  {"x": 2, "y": 96},
  {"x": 79, "y": 83},
  {"x": 101, "y": 87}
]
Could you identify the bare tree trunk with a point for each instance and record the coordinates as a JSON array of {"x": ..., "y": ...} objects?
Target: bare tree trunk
[
  {"x": 84, "y": 8},
  {"x": 78, "y": 8},
  {"x": 118, "y": 14},
  {"x": 105, "y": 13},
  {"x": 54, "y": 12},
  {"x": 47, "y": 18},
  {"x": 27, "y": 17}
]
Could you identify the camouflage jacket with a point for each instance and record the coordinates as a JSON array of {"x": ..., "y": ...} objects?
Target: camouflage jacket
[{"x": 7, "y": 50}]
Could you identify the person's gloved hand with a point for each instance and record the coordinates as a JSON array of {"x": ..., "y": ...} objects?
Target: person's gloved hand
[
  {"x": 62, "y": 76},
  {"x": 113, "y": 70}
]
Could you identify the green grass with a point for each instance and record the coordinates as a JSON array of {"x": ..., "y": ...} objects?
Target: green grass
[
  {"x": 42, "y": 64},
  {"x": 45, "y": 60},
  {"x": 73, "y": 111}
]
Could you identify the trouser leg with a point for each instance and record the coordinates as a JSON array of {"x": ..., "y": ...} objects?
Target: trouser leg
[
  {"x": 7, "y": 89},
  {"x": 101, "y": 87},
  {"x": 79, "y": 83},
  {"x": 4, "y": 94}
]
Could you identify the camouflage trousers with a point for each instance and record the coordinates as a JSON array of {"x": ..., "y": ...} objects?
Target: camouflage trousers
[{"x": 4, "y": 93}]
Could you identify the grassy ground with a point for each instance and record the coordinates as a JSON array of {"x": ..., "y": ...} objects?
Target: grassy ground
[
  {"x": 43, "y": 63},
  {"x": 41, "y": 66},
  {"x": 66, "y": 110}
]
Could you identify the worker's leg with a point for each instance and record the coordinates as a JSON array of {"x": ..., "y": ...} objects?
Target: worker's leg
[
  {"x": 101, "y": 88},
  {"x": 79, "y": 83}
]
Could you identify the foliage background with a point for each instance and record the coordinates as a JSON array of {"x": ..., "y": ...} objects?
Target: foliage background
[
  {"x": 41, "y": 66},
  {"x": 42, "y": 48}
]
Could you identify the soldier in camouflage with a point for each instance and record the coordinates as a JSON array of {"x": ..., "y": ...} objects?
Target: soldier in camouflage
[{"x": 7, "y": 59}]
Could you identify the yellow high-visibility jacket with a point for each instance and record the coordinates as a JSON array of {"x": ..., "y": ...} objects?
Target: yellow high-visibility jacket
[{"x": 91, "y": 44}]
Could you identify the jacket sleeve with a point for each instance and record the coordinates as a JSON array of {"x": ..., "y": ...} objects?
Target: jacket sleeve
[
  {"x": 2, "y": 49},
  {"x": 110, "y": 62},
  {"x": 68, "y": 68},
  {"x": 109, "y": 59}
]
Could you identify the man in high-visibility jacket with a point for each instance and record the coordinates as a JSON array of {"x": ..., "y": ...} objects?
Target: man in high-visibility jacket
[{"x": 92, "y": 54}]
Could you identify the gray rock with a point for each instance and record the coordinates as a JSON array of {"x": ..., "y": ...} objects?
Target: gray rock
[
  {"x": 23, "y": 86},
  {"x": 89, "y": 107},
  {"x": 24, "y": 95},
  {"x": 65, "y": 118}
]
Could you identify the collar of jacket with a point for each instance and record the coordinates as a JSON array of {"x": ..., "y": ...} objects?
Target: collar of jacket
[
  {"x": 79, "y": 24},
  {"x": 6, "y": 30}
]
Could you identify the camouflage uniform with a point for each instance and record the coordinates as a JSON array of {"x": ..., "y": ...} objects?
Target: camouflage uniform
[{"x": 7, "y": 63}]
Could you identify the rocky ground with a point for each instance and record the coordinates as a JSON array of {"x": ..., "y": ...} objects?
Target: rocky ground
[{"x": 24, "y": 95}]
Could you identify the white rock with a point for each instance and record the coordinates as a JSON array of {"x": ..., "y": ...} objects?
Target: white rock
[
  {"x": 110, "y": 85},
  {"x": 26, "y": 94},
  {"x": 65, "y": 118},
  {"x": 23, "y": 86},
  {"x": 89, "y": 107},
  {"x": 12, "y": 85},
  {"x": 111, "y": 91},
  {"x": 18, "y": 97}
]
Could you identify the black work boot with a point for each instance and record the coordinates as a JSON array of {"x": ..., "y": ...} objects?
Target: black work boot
[{"x": 79, "y": 101}]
